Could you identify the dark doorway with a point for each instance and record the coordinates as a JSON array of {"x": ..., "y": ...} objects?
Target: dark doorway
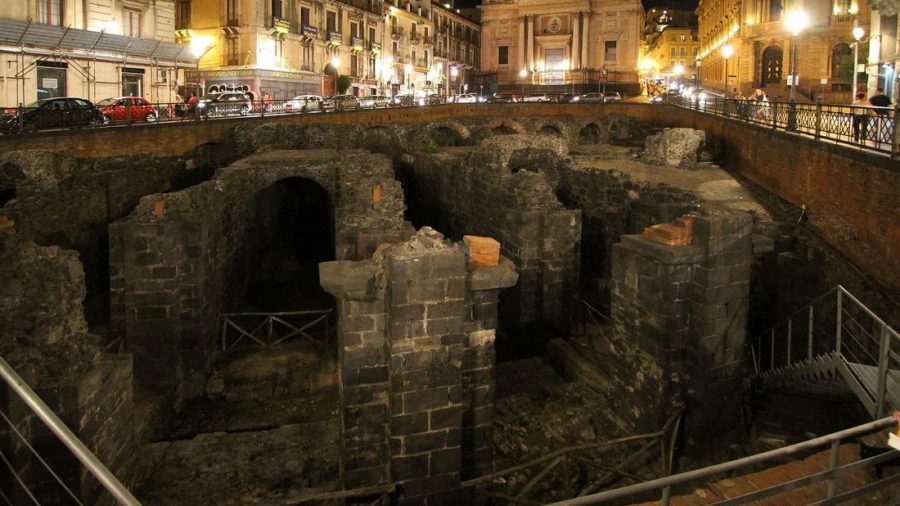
[
  {"x": 771, "y": 66},
  {"x": 295, "y": 232},
  {"x": 329, "y": 80}
]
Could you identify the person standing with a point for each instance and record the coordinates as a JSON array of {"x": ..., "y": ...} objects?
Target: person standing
[
  {"x": 861, "y": 113},
  {"x": 881, "y": 127}
]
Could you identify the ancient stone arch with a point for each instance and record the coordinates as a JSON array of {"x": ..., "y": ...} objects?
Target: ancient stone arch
[{"x": 506, "y": 126}]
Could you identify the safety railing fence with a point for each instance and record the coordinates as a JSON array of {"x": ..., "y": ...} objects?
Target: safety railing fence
[
  {"x": 869, "y": 128},
  {"x": 838, "y": 323},
  {"x": 270, "y": 329},
  {"x": 21, "y": 442},
  {"x": 589, "y": 462},
  {"x": 663, "y": 488}
]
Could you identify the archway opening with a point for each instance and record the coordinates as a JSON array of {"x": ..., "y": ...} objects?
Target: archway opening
[
  {"x": 551, "y": 130},
  {"x": 445, "y": 136},
  {"x": 503, "y": 129},
  {"x": 295, "y": 233},
  {"x": 590, "y": 134}
]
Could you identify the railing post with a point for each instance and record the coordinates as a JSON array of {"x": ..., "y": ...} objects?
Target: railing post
[
  {"x": 774, "y": 115},
  {"x": 895, "y": 138},
  {"x": 818, "y": 120},
  {"x": 883, "y": 356},
  {"x": 666, "y": 495},
  {"x": 772, "y": 352},
  {"x": 839, "y": 322},
  {"x": 832, "y": 465},
  {"x": 790, "y": 339},
  {"x": 809, "y": 344},
  {"x": 20, "y": 114}
]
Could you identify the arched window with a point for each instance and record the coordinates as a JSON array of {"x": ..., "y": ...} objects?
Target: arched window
[{"x": 842, "y": 62}]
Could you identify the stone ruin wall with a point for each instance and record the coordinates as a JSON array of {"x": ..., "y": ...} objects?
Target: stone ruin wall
[
  {"x": 181, "y": 259},
  {"x": 88, "y": 388}
]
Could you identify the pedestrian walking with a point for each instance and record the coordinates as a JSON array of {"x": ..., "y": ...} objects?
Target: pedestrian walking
[
  {"x": 861, "y": 113},
  {"x": 267, "y": 102},
  {"x": 881, "y": 123}
]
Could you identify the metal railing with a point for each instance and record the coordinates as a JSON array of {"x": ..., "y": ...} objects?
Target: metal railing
[
  {"x": 270, "y": 329},
  {"x": 866, "y": 128},
  {"x": 865, "y": 348},
  {"x": 67, "y": 437},
  {"x": 664, "y": 486},
  {"x": 572, "y": 459}
]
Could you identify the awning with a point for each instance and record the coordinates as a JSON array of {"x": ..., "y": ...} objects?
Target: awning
[{"x": 18, "y": 35}]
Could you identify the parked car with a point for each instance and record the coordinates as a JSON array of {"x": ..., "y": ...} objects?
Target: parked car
[
  {"x": 404, "y": 100},
  {"x": 59, "y": 112},
  {"x": 466, "y": 98},
  {"x": 373, "y": 102},
  {"x": 497, "y": 98},
  {"x": 537, "y": 97},
  {"x": 303, "y": 103},
  {"x": 225, "y": 104},
  {"x": 566, "y": 98},
  {"x": 128, "y": 109},
  {"x": 590, "y": 98},
  {"x": 612, "y": 96},
  {"x": 345, "y": 103}
]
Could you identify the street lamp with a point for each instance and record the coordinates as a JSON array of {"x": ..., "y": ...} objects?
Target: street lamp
[
  {"x": 727, "y": 51},
  {"x": 794, "y": 22},
  {"x": 408, "y": 68},
  {"x": 698, "y": 62},
  {"x": 199, "y": 46},
  {"x": 858, "y": 33}
]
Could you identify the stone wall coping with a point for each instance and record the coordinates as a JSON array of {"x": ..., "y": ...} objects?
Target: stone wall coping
[
  {"x": 663, "y": 253},
  {"x": 348, "y": 279},
  {"x": 503, "y": 275}
]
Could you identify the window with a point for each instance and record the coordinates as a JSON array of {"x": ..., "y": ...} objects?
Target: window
[
  {"x": 371, "y": 68},
  {"x": 503, "y": 55},
  {"x": 672, "y": 51},
  {"x": 276, "y": 8},
  {"x": 330, "y": 21},
  {"x": 413, "y": 56},
  {"x": 231, "y": 51},
  {"x": 681, "y": 51},
  {"x": 51, "y": 80},
  {"x": 307, "y": 57},
  {"x": 682, "y": 38},
  {"x": 354, "y": 66},
  {"x": 841, "y": 7},
  {"x": 132, "y": 82},
  {"x": 131, "y": 23},
  {"x": 395, "y": 48},
  {"x": 371, "y": 34},
  {"x": 304, "y": 16},
  {"x": 50, "y": 12},
  {"x": 183, "y": 14},
  {"x": 354, "y": 30},
  {"x": 842, "y": 62},
  {"x": 232, "y": 8}
]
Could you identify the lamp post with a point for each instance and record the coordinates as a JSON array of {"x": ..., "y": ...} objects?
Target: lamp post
[
  {"x": 697, "y": 63},
  {"x": 795, "y": 22},
  {"x": 858, "y": 33},
  {"x": 727, "y": 51},
  {"x": 408, "y": 68}
]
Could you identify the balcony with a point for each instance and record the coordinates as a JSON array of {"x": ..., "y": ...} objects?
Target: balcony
[
  {"x": 373, "y": 6},
  {"x": 842, "y": 18},
  {"x": 281, "y": 25},
  {"x": 397, "y": 32},
  {"x": 357, "y": 43},
  {"x": 335, "y": 38},
  {"x": 375, "y": 47},
  {"x": 310, "y": 32}
]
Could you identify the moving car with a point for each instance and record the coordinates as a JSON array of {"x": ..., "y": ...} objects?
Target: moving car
[
  {"x": 590, "y": 98},
  {"x": 127, "y": 110},
  {"x": 497, "y": 98},
  {"x": 566, "y": 98},
  {"x": 612, "y": 96},
  {"x": 404, "y": 100},
  {"x": 432, "y": 99},
  {"x": 303, "y": 103},
  {"x": 59, "y": 112},
  {"x": 225, "y": 104},
  {"x": 373, "y": 102}
]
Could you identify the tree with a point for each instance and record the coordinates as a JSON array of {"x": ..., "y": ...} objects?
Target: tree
[{"x": 343, "y": 84}]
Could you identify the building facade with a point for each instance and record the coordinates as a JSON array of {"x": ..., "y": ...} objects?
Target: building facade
[
  {"x": 562, "y": 45},
  {"x": 762, "y": 46},
  {"x": 883, "y": 58},
  {"x": 94, "y": 50},
  {"x": 671, "y": 54}
]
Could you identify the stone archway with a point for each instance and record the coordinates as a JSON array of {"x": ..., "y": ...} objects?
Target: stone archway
[
  {"x": 771, "y": 66},
  {"x": 329, "y": 80},
  {"x": 590, "y": 134}
]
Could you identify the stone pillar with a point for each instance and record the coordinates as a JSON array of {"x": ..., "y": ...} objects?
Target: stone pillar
[
  {"x": 530, "y": 42},
  {"x": 680, "y": 297},
  {"x": 586, "y": 35},
  {"x": 523, "y": 37},
  {"x": 416, "y": 365},
  {"x": 576, "y": 42}
]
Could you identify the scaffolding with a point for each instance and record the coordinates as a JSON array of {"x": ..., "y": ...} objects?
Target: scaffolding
[{"x": 36, "y": 43}]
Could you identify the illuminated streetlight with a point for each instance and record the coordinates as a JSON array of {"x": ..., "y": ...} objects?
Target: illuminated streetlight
[
  {"x": 336, "y": 62},
  {"x": 858, "y": 33},
  {"x": 727, "y": 51},
  {"x": 199, "y": 46},
  {"x": 679, "y": 70},
  {"x": 794, "y": 22},
  {"x": 523, "y": 73}
]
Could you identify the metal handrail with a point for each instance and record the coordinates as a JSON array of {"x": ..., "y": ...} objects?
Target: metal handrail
[
  {"x": 66, "y": 436},
  {"x": 665, "y": 484}
]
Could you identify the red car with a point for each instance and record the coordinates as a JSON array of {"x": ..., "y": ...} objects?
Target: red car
[{"x": 127, "y": 109}]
